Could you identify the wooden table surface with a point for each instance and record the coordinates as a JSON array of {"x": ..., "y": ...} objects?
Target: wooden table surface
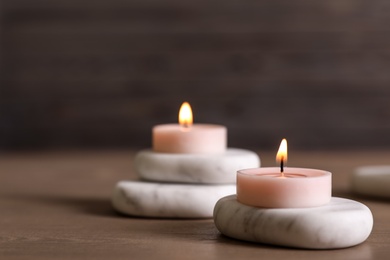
[{"x": 57, "y": 205}]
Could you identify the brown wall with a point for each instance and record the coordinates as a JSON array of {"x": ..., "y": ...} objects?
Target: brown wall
[{"x": 102, "y": 73}]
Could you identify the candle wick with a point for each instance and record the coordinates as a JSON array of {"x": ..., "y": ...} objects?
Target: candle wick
[
  {"x": 186, "y": 126},
  {"x": 282, "y": 166}
]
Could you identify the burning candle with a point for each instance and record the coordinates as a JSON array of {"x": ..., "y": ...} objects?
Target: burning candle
[
  {"x": 283, "y": 187},
  {"x": 187, "y": 137}
]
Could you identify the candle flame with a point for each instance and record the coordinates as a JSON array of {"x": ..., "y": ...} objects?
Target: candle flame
[
  {"x": 281, "y": 156},
  {"x": 185, "y": 115}
]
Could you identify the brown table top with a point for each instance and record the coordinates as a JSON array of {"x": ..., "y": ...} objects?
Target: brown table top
[{"x": 57, "y": 205}]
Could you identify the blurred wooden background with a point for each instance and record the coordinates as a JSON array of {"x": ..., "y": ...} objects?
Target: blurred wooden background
[{"x": 97, "y": 73}]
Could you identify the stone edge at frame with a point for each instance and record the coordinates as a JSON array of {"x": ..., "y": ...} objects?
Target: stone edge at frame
[{"x": 372, "y": 181}]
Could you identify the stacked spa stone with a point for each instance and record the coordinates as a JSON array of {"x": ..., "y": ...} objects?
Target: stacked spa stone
[
  {"x": 291, "y": 207},
  {"x": 293, "y": 210},
  {"x": 179, "y": 182}
]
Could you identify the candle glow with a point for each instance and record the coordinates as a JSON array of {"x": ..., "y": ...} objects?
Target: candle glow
[
  {"x": 185, "y": 115},
  {"x": 281, "y": 156}
]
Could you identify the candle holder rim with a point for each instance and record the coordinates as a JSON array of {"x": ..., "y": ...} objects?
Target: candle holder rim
[
  {"x": 287, "y": 170},
  {"x": 192, "y": 126}
]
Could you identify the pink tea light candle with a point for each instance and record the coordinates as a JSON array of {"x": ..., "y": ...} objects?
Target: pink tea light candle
[
  {"x": 274, "y": 187},
  {"x": 187, "y": 137}
]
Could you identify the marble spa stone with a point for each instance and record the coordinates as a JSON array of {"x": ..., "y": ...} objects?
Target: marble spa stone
[
  {"x": 163, "y": 200},
  {"x": 194, "y": 168},
  {"x": 339, "y": 224},
  {"x": 372, "y": 181}
]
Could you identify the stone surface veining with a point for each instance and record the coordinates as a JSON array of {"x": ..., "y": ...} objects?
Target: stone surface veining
[{"x": 339, "y": 224}]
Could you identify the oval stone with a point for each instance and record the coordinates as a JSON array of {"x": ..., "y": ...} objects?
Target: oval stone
[
  {"x": 194, "y": 168},
  {"x": 148, "y": 199},
  {"x": 339, "y": 224}
]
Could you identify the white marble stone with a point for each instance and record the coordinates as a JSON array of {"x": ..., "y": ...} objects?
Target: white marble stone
[
  {"x": 339, "y": 224},
  {"x": 372, "y": 181},
  {"x": 148, "y": 199},
  {"x": 194, "y": 168}
]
